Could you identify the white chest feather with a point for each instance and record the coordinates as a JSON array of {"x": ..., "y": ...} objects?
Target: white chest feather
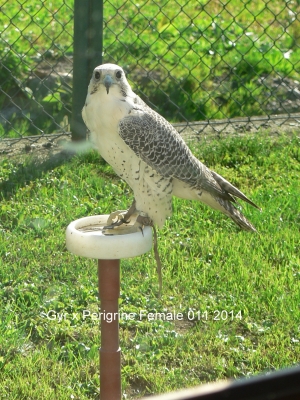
[{"x": 102, "y": 114}]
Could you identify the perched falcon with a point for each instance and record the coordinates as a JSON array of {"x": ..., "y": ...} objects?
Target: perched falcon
[{"x": 149, "y": 154}]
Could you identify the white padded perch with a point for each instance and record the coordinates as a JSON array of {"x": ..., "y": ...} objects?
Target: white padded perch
[{"x": 85, "y": 237}]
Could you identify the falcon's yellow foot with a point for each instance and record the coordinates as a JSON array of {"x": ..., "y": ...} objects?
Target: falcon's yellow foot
[
  {"x": 120, "y": 217},
  {"x": 117, "y": 218}
]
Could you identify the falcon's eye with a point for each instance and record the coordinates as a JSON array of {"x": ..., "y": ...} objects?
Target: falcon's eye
[
  {"x": 118, "y": 74},
  {"x": 97, "y": 75}
]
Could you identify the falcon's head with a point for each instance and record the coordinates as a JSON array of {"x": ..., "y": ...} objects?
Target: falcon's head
[{"x": 108, "y": 77}]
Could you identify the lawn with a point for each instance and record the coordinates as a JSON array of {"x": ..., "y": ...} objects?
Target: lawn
[{"x": 239, "y": 293}]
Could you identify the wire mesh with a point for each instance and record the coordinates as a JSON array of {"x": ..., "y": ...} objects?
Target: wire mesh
[
  {"x": 193, "y": 60},
  {"x": 36, "y": 42},
  {"x": 205, "y": 60}
]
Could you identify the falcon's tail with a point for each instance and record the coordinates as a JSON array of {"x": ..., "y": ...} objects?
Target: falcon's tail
[
  {"x": 237, "y": 216},
  {"x": 230, "y": 209},
  {"x": 222, "y": 201}
]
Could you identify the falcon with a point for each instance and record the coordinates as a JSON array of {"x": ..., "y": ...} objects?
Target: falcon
[{"x": 149, "y": 154}]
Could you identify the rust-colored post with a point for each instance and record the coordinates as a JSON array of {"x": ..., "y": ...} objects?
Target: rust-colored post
[{"x": 110, "y": 352}]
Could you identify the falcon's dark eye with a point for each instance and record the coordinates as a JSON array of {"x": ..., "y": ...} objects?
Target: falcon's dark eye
[
  {"x": 97, "y": 75},
  {"x": 118, "y": 74}
]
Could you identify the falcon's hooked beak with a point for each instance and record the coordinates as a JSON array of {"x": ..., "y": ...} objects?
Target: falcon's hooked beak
[{"x": 108, "y": 81}]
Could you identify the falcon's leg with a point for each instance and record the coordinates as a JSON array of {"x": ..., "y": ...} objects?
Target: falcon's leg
[
  {"x": 121, "y": 215},
  {"x": 129, "y": 213}
]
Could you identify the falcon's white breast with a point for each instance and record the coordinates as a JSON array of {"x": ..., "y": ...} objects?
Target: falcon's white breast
[{"x": 148, "y": 153}]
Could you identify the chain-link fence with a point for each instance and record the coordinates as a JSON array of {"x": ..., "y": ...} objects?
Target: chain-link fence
[
  {"x": 36, "y": 46},
  {"x": 194, "y": 60}
]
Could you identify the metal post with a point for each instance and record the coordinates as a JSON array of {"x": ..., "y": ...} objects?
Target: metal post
[
  {"x": 88, "y": 38},
  {"x": 110, "y": 352}
]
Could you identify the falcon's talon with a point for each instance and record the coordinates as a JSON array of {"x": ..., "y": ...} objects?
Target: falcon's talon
[
  {"x": 115, "y": 224},
  {"x": 120, "y": 217},
  {"x": 115, "y": 218}
]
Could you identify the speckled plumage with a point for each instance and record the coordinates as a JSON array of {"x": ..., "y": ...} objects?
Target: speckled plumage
[{"x": 148, "y": 153}]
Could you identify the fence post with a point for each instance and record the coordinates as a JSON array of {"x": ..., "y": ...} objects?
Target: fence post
[{"x": 88, "y": 44}]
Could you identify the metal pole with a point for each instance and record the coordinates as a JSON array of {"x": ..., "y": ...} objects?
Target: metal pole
[
  {"x": 88, "y": 38},
  {"x": 110, "y": 352}
]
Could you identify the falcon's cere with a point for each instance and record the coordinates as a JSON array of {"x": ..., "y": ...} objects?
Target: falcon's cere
[{"x": 149, "y": 154}]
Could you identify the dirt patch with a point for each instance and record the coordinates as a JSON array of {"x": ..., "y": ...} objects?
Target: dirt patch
[{"x": 41, "y": 147}]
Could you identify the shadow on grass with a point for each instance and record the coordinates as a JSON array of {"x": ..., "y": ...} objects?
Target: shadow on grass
[
  {"x": 23, "y": 169},
  {"x": 29, "y": 169}
]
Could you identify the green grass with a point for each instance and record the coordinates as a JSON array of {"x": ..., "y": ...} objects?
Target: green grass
[
  {"x": 193, "y": 60},
  {"x": 208, "y": 266}
]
